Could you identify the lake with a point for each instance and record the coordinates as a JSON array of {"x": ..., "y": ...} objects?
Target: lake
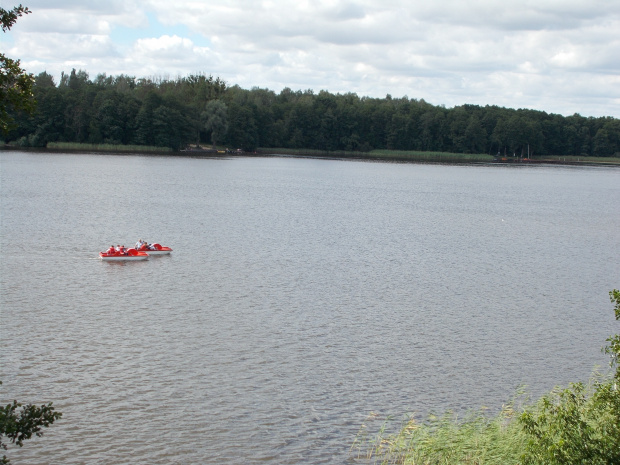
[{"x": 302, "y": 295}]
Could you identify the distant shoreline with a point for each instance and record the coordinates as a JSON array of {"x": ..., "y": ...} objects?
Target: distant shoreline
[
  {"x": 378, "y": 155},
  {"x": 442, "y": 157}
]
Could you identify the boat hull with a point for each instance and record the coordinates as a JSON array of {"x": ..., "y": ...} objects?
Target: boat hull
[
  {"x": 131, "y": 255},
  {"x": 159, "y": 250},
  {"x": 123, "y": 258}
]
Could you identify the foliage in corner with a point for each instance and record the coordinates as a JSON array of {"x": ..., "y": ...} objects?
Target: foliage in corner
[
  {"x": 576, "y": 425},
  {"x": 15, "y": 83},
  {"x": 579, "y": 424},
  {"x": 19, "y": 422},
  {"x": 613, "y": 349}
]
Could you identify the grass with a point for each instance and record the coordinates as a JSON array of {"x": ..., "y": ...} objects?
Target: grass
[{"x": 106, "y": 147}]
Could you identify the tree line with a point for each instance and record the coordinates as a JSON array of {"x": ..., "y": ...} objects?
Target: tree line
[{"x": 199, "y": 109}]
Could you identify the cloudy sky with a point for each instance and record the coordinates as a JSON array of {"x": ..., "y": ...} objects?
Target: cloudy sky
[{"x": 560, "y": 56}]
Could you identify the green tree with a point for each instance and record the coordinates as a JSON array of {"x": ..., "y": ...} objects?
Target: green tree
[
  {"x": 170, "y": 128},
  {"x": 399, "y": 131},
  {"x": 144, "y": 119},
  {"x": 44, "y": 81},
  {"x": 243, "y": 132},
  {"x": 15, "y": 82},
  {"x": 432, "y": 129},
  {"x": 475, "y": 136},
  {"x": 459, "y": 120},
  {"x": 80, "y": 107},
  {"x": 9, "y": 17},
  {"x": 499, "y": 137},
  {"x": 216, "y": 120},
  {"x": 607, "y": 139},
  {"x": 48, "y": 123},
  {"x": 19, "y": 422},
  {"x": 613, "y": 349}
]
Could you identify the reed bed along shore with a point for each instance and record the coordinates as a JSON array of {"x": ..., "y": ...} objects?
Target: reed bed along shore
[
  {"x": 437, "y": 157},
  {"x": 581, "y": 159},
  {"x": 475, "y": 439},
  {"x": 387, "y": 155},
  {"x": 75, "y": 146},
  {"x": 431, "y": 156},
  {"x": 396, "y": 155},
  {"x": 578, "y": 424}
]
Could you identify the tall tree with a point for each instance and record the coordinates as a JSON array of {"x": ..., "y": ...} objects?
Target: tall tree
[
  {"x": 475, "y": 136},
  {"x": 144, "y": 119},
  {"x": 216, "y": 120},
  {"x": 15, "y": 82},
  {"x": 243, "y": 132},
  {"x": 607, "y": 139}
]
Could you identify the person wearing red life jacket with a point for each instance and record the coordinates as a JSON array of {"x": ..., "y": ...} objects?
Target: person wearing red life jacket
[{"x": 111, "y": 250}]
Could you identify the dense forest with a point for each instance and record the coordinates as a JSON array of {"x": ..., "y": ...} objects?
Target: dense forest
[{"x": 200, "y": 109}]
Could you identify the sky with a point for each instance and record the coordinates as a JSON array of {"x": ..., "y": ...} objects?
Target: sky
[{"x": 558, "y": 56}]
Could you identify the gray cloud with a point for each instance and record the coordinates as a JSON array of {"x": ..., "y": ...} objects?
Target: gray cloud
[{"x": 555, "y": 56}]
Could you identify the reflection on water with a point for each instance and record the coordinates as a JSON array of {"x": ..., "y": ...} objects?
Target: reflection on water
[{"x": 301, "y": 295}]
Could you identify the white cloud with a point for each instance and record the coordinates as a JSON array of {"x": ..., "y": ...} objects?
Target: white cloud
[
  {"x": 55, "y": 47},
  {"x": 166, "y": 55},
  {"x": 163, "y": 48},
  {"x": 544, "y": 54}
]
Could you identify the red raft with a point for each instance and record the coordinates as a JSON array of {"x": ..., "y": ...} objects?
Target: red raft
[
  {"x": 155, "y": 249},
  {"x": 130, "y": 255}
]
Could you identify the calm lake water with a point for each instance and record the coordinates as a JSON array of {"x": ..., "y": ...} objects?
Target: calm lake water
[{"x": 301, "y": 296}]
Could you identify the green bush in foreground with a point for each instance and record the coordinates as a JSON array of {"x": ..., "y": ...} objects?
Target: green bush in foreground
[
  {"x": 20, "y": 422},
  {"x": 579, "y": 424},
  {"x": 576, "y": 425}
]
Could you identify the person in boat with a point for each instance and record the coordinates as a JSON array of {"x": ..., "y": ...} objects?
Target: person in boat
[
  {"x": 139, "y": 244},
  {"x": 123, "y": 250},
  {"x": 118, "y": 247},
  {"x": 111, "y": 250}
]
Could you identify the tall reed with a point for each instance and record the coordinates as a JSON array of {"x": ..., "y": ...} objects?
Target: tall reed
[
  {"x": 431, "y": 156},
  {"x": 396, "y": 155},
  {"x": 474, "y": 439},
  {"x": 106, "y": 147}
]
